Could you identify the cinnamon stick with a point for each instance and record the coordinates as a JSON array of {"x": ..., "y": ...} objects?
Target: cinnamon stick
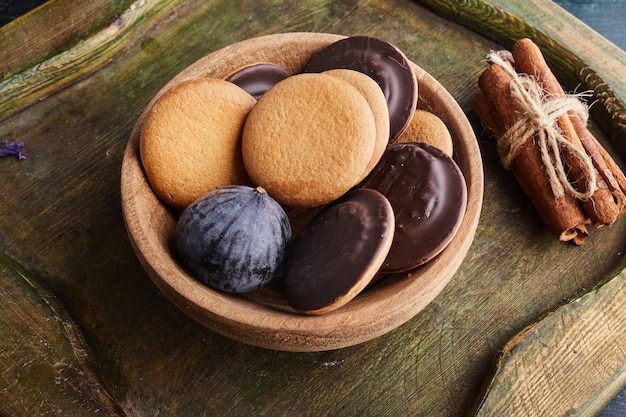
[
  {"x": 486, "y": 115},
  {"x": 564, "y": 216},
  {"x": 606, "y": 203},
  {"x": 609, "y": 170}
]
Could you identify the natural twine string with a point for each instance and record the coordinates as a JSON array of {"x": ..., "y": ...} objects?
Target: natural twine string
[{"x": 540, "y": 120}]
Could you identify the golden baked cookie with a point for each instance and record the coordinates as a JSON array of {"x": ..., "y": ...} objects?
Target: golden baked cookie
[
  {"x": 190, "y": 140},
  {"x": 427, "y": 127},
  {"x": 308, "y": 139},
  {"x": 376, "y": 99}
]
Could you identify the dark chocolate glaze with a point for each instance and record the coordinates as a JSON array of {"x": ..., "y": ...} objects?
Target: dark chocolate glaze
[
  {"x": 336, "y": 247},
  {"x": 384, "y": 63},
  {"x": 256, "y": 79},
  {"x": 428, "y": 194}
]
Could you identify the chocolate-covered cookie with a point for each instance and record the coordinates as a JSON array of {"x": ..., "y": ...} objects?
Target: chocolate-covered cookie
[
  {"x": 383, "y": 62},
  {"x": 256, "y": 79},
  {"x": 428, "y": 194},
  {"x": 338, "y": 252}
]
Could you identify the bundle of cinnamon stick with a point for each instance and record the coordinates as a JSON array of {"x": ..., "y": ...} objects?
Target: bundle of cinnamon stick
[{"x": 543, "y": 139}]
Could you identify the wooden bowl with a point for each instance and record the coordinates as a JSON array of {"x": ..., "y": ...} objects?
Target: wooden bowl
[{"x": 263, "y": 318}]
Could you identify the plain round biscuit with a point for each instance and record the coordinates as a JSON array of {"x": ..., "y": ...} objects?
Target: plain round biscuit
[
  {"x": 428, "y": 128},
  {"x": 308, "y": 139},
  {"x": 191, "y": 140},
  {"x": 378, "y": 104},
  {"x": 382, "y": 61}
]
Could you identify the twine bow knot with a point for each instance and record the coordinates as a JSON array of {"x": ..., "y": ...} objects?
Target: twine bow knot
[{"x": 540, "y": 119}]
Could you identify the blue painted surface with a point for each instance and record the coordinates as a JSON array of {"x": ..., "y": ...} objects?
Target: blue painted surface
[
  {"x": 11, "y": 9},
  {"x": 605, "y": 16}
]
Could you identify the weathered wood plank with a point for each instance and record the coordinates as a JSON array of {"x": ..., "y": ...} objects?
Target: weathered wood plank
[
  {"x": 80, "y": 58},
  {"x": 52, "y": 28},
  {"x": 46, "y": 365},
  {"x": 572, "y": 362}
]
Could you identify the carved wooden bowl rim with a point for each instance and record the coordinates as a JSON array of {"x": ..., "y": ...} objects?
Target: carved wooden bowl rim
[{"x": 263, "y": 318}]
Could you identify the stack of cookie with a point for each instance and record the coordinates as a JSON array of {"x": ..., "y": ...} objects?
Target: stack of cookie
[{"x": 340, "y": 145}]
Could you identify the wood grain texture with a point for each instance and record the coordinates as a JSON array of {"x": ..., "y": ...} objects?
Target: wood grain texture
[
  {"x": 52, "y": 28},
  {"x": 60, "y": 218},
  {"x": 571, "y": 362},
  {"x": 80, "y": 56},
  {"x": 47, "y": 366}
]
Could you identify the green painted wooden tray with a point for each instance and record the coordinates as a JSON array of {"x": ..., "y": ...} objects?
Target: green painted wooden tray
[{"x": 83, "y": 331}]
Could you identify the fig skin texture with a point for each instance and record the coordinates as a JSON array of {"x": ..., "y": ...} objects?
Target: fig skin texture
[{"x": 233, "y": 238}]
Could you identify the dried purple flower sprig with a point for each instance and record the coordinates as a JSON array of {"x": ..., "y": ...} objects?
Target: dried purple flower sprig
[{"x": 12, "y": 148}]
